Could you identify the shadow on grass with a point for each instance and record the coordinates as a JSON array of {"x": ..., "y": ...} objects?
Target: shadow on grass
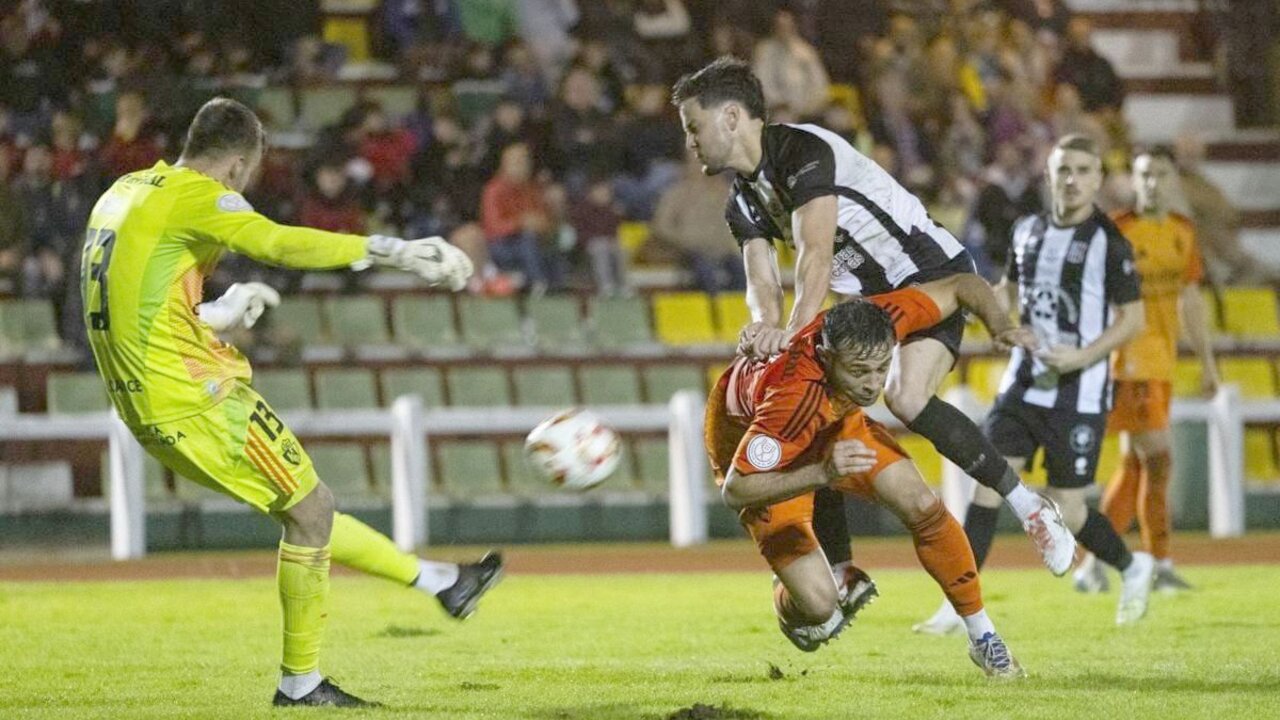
[
  {"x": 615, "y": 711},
  {"x": 1099, "y": 681},
  {"x": 400, "y": 631}
]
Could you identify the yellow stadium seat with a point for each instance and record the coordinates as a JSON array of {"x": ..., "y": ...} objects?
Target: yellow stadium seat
[
  {"x": 952, "y": 380},
  {"x": 351, "y": 33},
  {"x": 975, "y": 331},
  {"x": 714, "y": 372},
  {"x": 1250, "y": 312},
  {"x": 1108, "y": 459},
  {"x": 1260, "y": 456},
  {"x": 1253, "y": 375},
  {"x": 1036, "y": 475},
  {"x": 925, "y": 457},
  {"x": 1186, "y": 378},
  {"x": 983, "y": 377},
  {"x": 683, "y": 318},
  {"x": 631, "y": 236},
  {"x": 731, "y": 315}
]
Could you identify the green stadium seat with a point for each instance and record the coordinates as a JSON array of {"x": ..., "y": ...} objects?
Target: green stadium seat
[
  {"x": 618, "y": 323},
  {"x": 476, "y": 99},
  {"x": 275, "y": 106},
  {"x": 153, "y": 485},
  {"x": 609, "y": 385},
  {"x": 1260, "y": 456},
  {"x": 298, "y": 317},
  {"x": 408, "y": 381},
  {"x": 284, "y": 389},
  {"x": 37, "y": 325},
  {"x": 490, "y": 323},
  {"x": 732, "y": 314},
  {"x": 663, "y": 381},
  {"x": 81, "y": 392},
  {"x": 653, "y": 459},
  {"x": 424, "y": 323},
  {"x": 345, "y": 388},
  {"x": 396, "y": 100},
  {"x": 550, "y": 386},
  {"x": 522, "y": 479},
  {"x": 478, "y": 387},
  {"x": 557, "y": 324},
  {"x": 1250, "y": 312},
  {"x": 324, "y": 105},
  {"x": 1254, "y": 375},
  {"x": 10, "y": 328},
  {"x": 683, "y": 318},
  {"x": 343, "y": 468},
  {"x": 469, "y": 468},
  {"x": 357, "y": 320},
  {"x": 190, "y": 491}
]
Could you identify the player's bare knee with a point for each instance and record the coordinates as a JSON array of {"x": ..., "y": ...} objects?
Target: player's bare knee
[
  {"x": 309, "y": 521},
  {"x": 1149, "y": 444},
  {"x": 905, "y": 401},
  {"x": 1071, "y": 503}
]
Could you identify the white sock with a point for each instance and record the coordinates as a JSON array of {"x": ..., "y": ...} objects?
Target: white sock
[
  {"x": 435, "y": 576},
  {"x": 978, "y": 624},
  {"x": 296, "y": 686},
  {"x": 1165, "y": 564},
  {"x": 1023, "y": 501}
]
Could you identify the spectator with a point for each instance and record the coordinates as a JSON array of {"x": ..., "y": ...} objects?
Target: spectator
[
  {"x": 515, "y": 219},
  {"x": 31, "y": 71},
  {"x": 411, "y": 23},
  {"x": 598, "y": 59},
  {"x": 135, "y": 142},
  {"x": 790, "y": 71},
  {"x": 13, "y": 232},
  {"x": 445, "y": 172},
  {"x": 1069, "y": 118},
  {"x": 545, "y": 26},
  {"x": 525, "y": 83},
  {"x": 1091, "y": 74},
  {"x": 894, "y": 127},
  {"x": 388, "y": 150},
  {"x": 964, "y": 144},
  {"x": 329, "y": 203},
  {"x": 690, "y": 220},
  {"x": 506, "y": 126},
  {"x": 662, "y": 28},
  {"x": 1009, "y": 191},
  {"x": 70, "y": 160},
  {"x": 653, "y": 145},
  {"x": 1047, "y": 15},
  {"x": 582, "y": 137},
  {"x": 595, "y": 222}
]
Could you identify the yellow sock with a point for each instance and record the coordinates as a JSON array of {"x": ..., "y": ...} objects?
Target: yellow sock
[
  {"x": 302, "y": 576},
  {"x": 362, "y": 548}
]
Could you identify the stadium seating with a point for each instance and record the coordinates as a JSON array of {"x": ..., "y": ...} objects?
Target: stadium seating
[
  {"x": 358, "y": 320},
  {"x": 1260, "y": 455},
  {"x": 653, "y": 465},
  {"x": 983, "y": 377},
  {"x": 683, "y": 318},
  {"x": 425, "y": 323},
  {"x": 521, "y": 479},
  {"x": 342, "y": 467},
  {"x": 620, "y": 323},
  {"x": 284, "y": 389},
  {"x": 298, "y": 318},
  {"x": 547, "y": 385},
  {"x": 27, "y": 325},
  {"x": 478, "y": 387},
  {"x": 557, "y": 323},
  {"x": 345, "y": 388},
  {"x": 469, "y": 468},
  {"x": 732, "y": 315},
  {"x": 663, "y": 381},
  {"x": 1250, "y": 313},
  {"x": 76, "y": 393},
  {"x": 609, "y": 385},
  {"x": 925, "y": 457},
  {"x": 1254, "y": 375},
  {"x": 490, "y": 324},
  {"x": 407, "y": 381},
  {"x": 1186, "y": 378}
]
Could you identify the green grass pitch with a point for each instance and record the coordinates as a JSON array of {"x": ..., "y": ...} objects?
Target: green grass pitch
[{"x": 639, "y": 646}]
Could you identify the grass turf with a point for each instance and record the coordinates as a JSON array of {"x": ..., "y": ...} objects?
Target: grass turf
[{"x": 639, "y": 646}]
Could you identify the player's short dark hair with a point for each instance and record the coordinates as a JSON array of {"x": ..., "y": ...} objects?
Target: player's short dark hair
[
  {"x": 726, "y": 79},
  {"x": 1082, "y": 143},
  {"x": 858, "y": 327},
  {"x": 1160, "y": 152},
  {"x": 223, "y": 126}
]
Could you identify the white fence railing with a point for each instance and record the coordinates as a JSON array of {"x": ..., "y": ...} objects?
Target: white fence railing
[{"x": 410, "y": 429}]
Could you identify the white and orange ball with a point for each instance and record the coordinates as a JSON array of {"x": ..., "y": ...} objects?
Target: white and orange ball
[{"x": 573, "y": 449}]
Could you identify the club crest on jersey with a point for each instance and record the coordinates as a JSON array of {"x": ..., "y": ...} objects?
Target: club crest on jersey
[
  {"x": 1082, "y": 438},
  {"x": 763, "y": 452},
  {"x": 289, "y": 449},
  {"x": 233, "y": 202}
]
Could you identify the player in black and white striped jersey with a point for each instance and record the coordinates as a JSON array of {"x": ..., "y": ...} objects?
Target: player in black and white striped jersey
[
  {"x": 857, "y": 232},
  {"x": 1073, "y": 276}
]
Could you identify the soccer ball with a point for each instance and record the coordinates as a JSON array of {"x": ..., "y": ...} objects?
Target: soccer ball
[{"x": 573, "y": 449}]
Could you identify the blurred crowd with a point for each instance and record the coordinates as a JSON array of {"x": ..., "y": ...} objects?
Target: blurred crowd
[{"x": 542, "y": 127}]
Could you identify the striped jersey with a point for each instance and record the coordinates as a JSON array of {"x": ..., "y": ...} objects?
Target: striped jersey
[
  {"x": 884, "y": 240},
  {"x": 153, "y": 238},
  {"x": 1069, "y": 279}
]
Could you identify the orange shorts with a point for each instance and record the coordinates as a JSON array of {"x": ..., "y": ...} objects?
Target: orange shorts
[
  {"x": 784, "y": 532},
  {"x": 912, "y": 310},
  {"x": 1140, "y": 406}
]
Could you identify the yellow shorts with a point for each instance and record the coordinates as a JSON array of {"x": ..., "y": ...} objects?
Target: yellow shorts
[{"x": 239, "y": 448}]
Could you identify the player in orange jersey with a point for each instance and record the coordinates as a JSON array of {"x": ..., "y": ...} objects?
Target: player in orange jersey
[
  {"x": 1168, "y": 260},
  {"x": 778, "y": 430}
]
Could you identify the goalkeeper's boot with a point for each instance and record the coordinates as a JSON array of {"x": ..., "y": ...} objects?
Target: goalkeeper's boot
[
  {"x": 991, "y": 654},
  {"x": 809, "y": 638},
  {"x": 326, "y": 693},
  {"x": 1091, "y": 577},
  {"x": 1055, "y": 542},
  {"x": 474, "y": 580},
  {"x": 857, "y": 590},
  {"x": 1135, "y": 589},
  {"x": 1168, "y": 581},
  {"x": 944, "y": 622}
]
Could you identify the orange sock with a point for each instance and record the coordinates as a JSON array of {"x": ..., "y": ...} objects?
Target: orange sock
[
  {"x": 945, "y": 554},
  {"x": 1120, "y": 503},
  {"x": 1153, "y": 506}
]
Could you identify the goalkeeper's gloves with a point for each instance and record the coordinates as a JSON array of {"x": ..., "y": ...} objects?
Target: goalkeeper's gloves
[
  {"x": 431, "y": 259},
  {"x": 241, "y": 305}
]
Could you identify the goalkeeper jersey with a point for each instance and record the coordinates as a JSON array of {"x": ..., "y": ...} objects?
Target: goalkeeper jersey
[{"x": 152, "y": 239}]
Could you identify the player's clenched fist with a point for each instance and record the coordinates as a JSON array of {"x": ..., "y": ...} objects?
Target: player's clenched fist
[
  {"x": 242, "y": 304},
  {"x": 850, "y": 457},
  {"x": 432, "y": 259}
]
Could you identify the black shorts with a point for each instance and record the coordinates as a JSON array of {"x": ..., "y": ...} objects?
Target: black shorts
[
  {"x": 1071, "y": 441},
  {"x": 949, "y": 332}
]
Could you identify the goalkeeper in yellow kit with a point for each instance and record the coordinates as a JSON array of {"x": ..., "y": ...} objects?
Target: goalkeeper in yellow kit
[{"x": 152, "y": 239}]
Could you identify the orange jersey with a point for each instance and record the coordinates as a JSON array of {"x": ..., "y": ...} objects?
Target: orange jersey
[{"x": 1168, "y": 260}]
